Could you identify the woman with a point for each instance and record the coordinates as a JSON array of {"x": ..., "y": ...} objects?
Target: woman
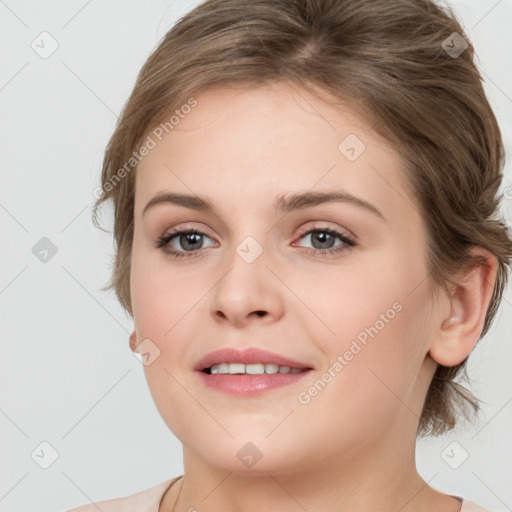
[{"x": 305, "y": 196}]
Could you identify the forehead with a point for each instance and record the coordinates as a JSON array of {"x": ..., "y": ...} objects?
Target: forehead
[{"x": 269, "y": 140}]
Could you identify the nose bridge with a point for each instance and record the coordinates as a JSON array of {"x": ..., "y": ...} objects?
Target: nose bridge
[{"x": 247, "y": 288}]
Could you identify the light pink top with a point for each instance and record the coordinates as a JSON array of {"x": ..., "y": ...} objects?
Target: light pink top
[{"x": 149, "y": 501}]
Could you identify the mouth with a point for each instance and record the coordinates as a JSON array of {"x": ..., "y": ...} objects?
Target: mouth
[
  {"x": 254, "y": 361},
  {"x": 251, "y": 369},
  {"x": 249, "y": 372}
]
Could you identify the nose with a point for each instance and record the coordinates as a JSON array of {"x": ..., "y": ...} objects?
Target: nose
[{"x": 247, "y": 293}]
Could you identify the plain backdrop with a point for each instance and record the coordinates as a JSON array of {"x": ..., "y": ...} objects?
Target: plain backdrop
[{"x": 68, "y": 378}]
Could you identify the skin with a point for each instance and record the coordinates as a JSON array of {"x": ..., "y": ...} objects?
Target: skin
[{"x": 352, "y": 447}]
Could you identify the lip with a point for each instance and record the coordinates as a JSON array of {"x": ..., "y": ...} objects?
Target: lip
[
  {"x": 246, "y": 356},
  {"x": 248, "y": 385}
]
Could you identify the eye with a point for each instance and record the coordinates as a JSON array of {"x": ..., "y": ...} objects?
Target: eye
[
  {"x": 189, "y": 239},
  {"x": 324, "y": 239},
  {"x": 191, "y": 242}
]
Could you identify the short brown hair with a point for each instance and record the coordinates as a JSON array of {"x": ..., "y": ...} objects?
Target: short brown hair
[{"x": 391, "y": 58}]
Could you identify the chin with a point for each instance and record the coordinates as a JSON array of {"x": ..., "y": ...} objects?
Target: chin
[{"x": 248, "y": 455}]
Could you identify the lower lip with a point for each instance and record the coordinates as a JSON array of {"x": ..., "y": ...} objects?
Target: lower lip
[{"x": 250, "y": 385}]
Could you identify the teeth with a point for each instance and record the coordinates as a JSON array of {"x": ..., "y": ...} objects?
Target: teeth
[{"x": 252, "y": 369}]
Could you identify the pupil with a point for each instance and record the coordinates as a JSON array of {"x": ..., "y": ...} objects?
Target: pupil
[
  {"x": 324, "y": 238},
  {"x": 185, "y": 238}
]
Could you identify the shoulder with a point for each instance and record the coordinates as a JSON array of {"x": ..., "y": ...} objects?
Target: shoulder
[
  {"x": 469, "y": 506},
  {"x": 143, "y": 501}
]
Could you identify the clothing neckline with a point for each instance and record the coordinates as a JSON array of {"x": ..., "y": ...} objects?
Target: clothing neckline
[{"x": 173, "y": 481}]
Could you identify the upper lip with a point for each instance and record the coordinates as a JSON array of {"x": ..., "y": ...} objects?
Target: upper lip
[{"x": 246, "y": 356}]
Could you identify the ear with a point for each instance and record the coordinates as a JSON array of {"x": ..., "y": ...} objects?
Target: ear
[
  {"x": 133, "y": 340},
  {"x": 461, "y": 322}
]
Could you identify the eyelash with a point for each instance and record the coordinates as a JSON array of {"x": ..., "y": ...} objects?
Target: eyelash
[{"x": 164, "y": 240}]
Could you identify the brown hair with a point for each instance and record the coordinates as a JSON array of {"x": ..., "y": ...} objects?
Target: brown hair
[{"x": 394, "y": 60}]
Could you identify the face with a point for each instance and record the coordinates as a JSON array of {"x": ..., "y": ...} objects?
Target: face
[{"x": 335, "y": 286}]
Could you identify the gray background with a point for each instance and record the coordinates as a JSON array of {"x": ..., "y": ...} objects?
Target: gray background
[{"x": 67, "y": 375}]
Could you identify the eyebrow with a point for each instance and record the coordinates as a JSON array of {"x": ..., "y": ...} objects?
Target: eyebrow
[{"x": 285, "y": 203}]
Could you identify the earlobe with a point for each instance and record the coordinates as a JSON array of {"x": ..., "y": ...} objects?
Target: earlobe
[
  {"x": 460, "y": 329},
  {"x": 133, "y": 340}
]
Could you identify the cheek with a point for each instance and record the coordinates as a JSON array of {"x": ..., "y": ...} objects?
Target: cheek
[
  {"x": 377, "y": 325},
  {"x": 375, "y": 365},
  {"x": 161, "y": 294}
]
